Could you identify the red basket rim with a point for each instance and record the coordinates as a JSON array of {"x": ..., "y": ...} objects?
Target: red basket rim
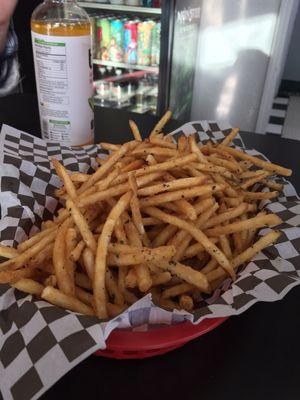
[{"x": 174, "y": 335}]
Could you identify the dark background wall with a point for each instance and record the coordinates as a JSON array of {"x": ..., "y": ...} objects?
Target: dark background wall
[{"x": 21, "y": 20}]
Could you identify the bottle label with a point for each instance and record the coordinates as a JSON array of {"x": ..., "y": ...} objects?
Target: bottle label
[{"x": 64, "y": 82}]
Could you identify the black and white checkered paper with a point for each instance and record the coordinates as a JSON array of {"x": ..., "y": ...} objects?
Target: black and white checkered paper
[{"x": 39, "y": 342}]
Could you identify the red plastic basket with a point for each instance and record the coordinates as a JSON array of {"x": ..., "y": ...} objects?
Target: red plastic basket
[{"x": 124, "y": 344}]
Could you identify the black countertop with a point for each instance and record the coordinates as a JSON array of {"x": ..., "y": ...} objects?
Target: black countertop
[{"x": 251, "y": 356}]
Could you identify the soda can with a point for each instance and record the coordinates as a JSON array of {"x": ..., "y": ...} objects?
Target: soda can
[
  {"x": 144, "y": 42},
  {"x": 116, "y": 40},
  {"x": 130, "y": 42},
  {"x": 155, "y": 44},
  {"x": 148, "y": 3},
  {"x": 103, "y": 37}
]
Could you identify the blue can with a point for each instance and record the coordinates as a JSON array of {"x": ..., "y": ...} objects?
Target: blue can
[{"x": 116, "y": 40}]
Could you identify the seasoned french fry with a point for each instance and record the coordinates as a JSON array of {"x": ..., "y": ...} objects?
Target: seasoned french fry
[
  {"x": 180, "y": 194},
  {"x": 76, "y": 252},
  {"x": 64, "y": 280},
  {"x": 60, "y": 299},
  {"x": 144, "y": 280},
  {"x": 256, "y": 222},
  {"x": 177, "y": 290},
  {"x": 65, "y": 177},
  {"x": 83, "y": 281},
  {"x": 29, "y": 286},
  {"x": 135, "y": 130},
  {"x": 82, "y": 225},
  {"x": 100, "y": 262},
  {"x": 229, "y": 138},
  {"x": 161, "y": 123},
  {"x": 8, "y": 252},
  {"x": 268, "y": 166},
  {"x": 187, "y": 274},
  {"x": 186, "y": 302}
]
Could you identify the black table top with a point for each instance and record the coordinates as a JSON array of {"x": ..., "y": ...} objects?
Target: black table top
[{"x": 251, "y": 356}]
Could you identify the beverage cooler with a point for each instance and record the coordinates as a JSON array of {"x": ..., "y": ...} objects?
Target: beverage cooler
[{"x": 144, "y": 54}]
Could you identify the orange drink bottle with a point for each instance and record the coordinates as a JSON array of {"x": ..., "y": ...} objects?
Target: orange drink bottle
[{"x": 61, "y": 40}]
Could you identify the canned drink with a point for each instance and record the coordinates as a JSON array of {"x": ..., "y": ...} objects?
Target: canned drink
[
  {"x": 148, "y": 3},
  {"x": 103, "y": 36},
  {"x": 116, "y": 40},
  {"x": 144, "y": 42},
  {"x": 130, "y": 42},
  {"x": 155, "y": 43}
]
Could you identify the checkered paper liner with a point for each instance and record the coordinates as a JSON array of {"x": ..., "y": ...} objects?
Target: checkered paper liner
[{"x": 39, "y": 342}]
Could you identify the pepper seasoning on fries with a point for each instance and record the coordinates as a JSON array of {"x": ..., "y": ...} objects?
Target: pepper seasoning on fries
[{"x": 171, "y": 219}]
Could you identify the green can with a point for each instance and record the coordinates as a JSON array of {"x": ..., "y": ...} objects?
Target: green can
[
  {"x": 144, "y": 42},
  {"x": 103, "y": 36},
  {"x": 155, "y": 44}
]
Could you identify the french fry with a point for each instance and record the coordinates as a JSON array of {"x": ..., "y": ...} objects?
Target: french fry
[
  {"x": 186, "y": 302},
  {"x": 14, "y": 276},
  {"x": 163, "y": 143},
  {"x": 161, "y": 123},
  {"x": 268, "y": 166},
  {"x": 83, "y": 281},
  {"x": 196, "y": 248},
  {"x": 229, "y": 138},
  {"x": 196, "y": 150},
  {"x": 112, "y": 287},
  {"x": 143, "y": 277},
  {"x": 182, "y": 143},
  {"x": 256, "y": 222},
  {"x": 64, "y": 280},
  {"x": 272, "y": 185},
  {"x": 180, "y": 194},
  {"x": 8, "y": 252},
  {"x": 88, "y": 259},
  {"x": 187, "y": 274},
  {"x": 60, "y": 299},
  {"x": 76, "y": 252},
  {"x": 100, "y": 262},
  {"x": 131, "y": 279},
  {"x": 110, "y": 146},
  {"x": 172, "y": 185},
  {"x": 135, "y": 130},
  {"x": 29, "y": 286},
  {"x": 260, "y": 195},
  {"x": 177, "y": 290},
  {"x": 82, "y": 225},
  {"x": 65, "y": 177}
]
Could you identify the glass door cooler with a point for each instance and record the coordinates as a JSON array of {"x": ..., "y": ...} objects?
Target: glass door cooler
[{"x": 139, "y": 54}]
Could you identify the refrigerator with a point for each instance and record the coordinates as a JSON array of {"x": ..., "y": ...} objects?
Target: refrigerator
[
  {"x": 218, "y": 60},
  {"x": 140, "y": 71}
]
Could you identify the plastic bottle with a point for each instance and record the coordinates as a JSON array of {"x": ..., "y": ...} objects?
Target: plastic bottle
[{"x": 61, "y": 39}]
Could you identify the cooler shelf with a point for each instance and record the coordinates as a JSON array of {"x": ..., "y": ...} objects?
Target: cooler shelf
[
  {"x": 147, "y": 68},
  {"x": 113, "y": 7}
]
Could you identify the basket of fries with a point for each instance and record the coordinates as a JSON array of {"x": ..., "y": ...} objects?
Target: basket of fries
[{"x": 149, "y": 232}]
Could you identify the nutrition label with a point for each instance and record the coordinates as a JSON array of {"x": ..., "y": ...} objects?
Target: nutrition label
[
  {"x": 51, "y": 61},
  {"x": 64, "y": 87}
]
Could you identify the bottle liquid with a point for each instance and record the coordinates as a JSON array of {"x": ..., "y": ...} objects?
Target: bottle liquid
[{"x": 61, "y": 39}]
